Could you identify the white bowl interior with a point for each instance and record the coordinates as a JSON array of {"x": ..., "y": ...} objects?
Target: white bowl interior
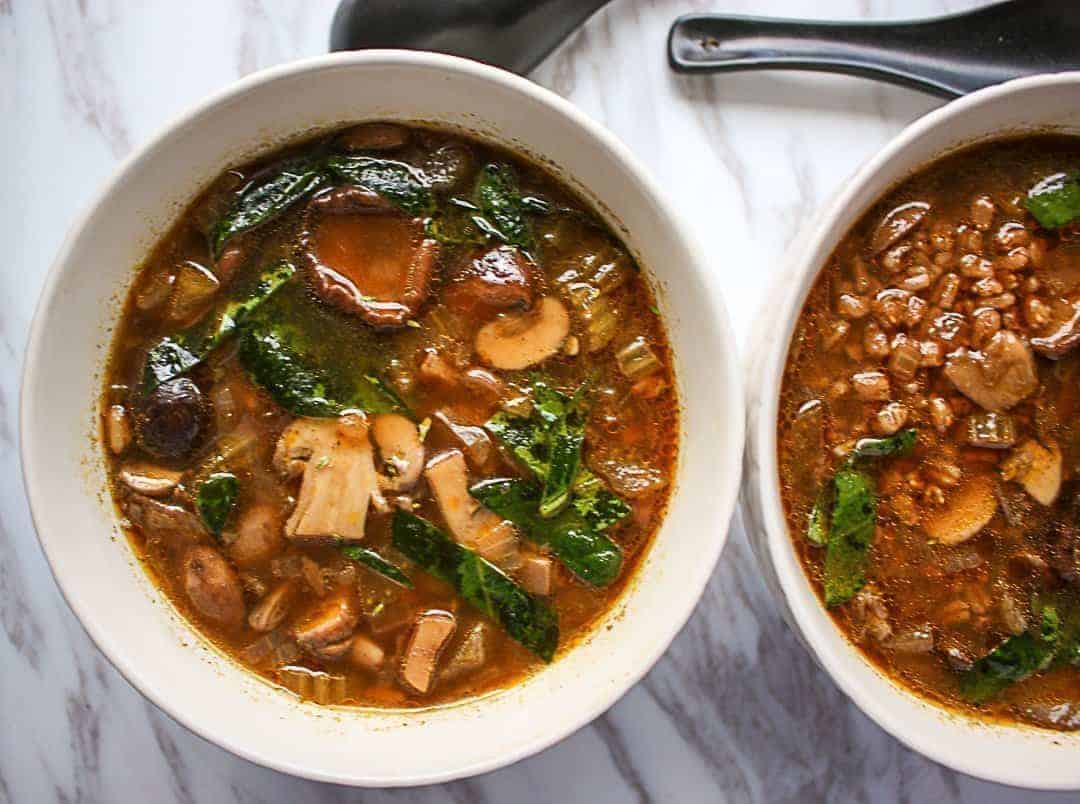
[
  {"x": 1013, "y": 755},
  {"x": 144, "y": 637}
]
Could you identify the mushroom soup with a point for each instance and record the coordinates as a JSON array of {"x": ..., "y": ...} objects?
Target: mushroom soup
[
  {"x": 390, "y": 416},
  {"x": 929, "y": 432}
]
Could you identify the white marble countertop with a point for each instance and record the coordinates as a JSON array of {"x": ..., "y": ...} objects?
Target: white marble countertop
[{"x": 736, "y": 710}]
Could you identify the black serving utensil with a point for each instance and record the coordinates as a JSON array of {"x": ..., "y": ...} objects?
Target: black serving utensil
[
  {"x": 947, "y": 56},
  {"x": 513, "y": 34}
]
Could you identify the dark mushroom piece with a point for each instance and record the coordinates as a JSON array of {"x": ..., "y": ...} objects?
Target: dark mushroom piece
[
  {"x": 374, "y": 137},
  {"x": 172, "y": 420},
  {"x": 493, "y": 281},
  {"x": 377, "y": 266}
]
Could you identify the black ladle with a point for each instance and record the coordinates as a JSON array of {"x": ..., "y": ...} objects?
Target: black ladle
[
  {"x": 513, "y": 34},
  {"x": 948, "y": 56}
]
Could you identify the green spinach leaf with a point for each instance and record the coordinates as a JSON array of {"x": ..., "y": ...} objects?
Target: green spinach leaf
[
  {"x": 275, "y": 357},
  {"x": 498, "y": 197},
  {"x": 176, "y": 354},
  {"x": 264, "y": 199},
  {"x": 399, "y": 183},
  {"x": 902, "y": 443},
  {"x": 216, "y": 498},
  {"x": 595, "y": 504},
  {"x": 1055, "y": 201},
  {"x": 377, "y": 563},
  {"x": 586, "y": 552},
  {"x": 851, "y": 530},
  {"x": 526, "y": 618},
  {"x": 1015, "y": 659}
]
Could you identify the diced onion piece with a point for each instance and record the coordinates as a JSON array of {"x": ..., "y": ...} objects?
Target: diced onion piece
[
  {"x": 968, "y": 511},
  {"x": 637, "y": 359},
  {"x": 537, "y": 575},
  {"x": 193, "y": 289},
  {"x": 154, "y": 289},
  {"x": 469, "y": 656},
  {"x": 500, "y": 545}
]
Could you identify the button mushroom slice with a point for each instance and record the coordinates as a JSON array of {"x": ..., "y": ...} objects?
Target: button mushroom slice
[
  {"x": 148, "y": 479},
  {"x": 429, "y": 637},
  {"x": 899, "y": 223},
  {"x": 999, "y": 377},
  {"x": 401, "y": 452},
  {"x": 968, "y": 510},
  {"x": 376, "y": 266},
  {"x": 1063, "y": 340},
  {"x": 470, "y": 523},
  {"x": 333, "y": 652},
  {"x": 271, "y": 611},
  {"x": 494, "y": 280},
  {"x": 339, "y": 479},
  {"x": 212, "y": 586},
  {"x": 331, "y": 620},
  {"x": 523, "y": 339},
  {"x": 469, "y": 656},
  {"x": 1037, "y": 468}
]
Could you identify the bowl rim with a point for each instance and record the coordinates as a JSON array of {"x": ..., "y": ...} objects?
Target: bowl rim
[
  {"x": 125, "y": 661},
  {"x": 763, "y": 489}
]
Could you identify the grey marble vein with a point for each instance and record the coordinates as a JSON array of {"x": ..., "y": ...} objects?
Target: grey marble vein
[{"x": 736, "y": 710}]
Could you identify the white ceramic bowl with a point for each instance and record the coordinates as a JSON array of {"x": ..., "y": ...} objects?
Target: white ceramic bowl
[
  {"x": 143, "y": 636},
  {"x": 1015, "y": 755}
]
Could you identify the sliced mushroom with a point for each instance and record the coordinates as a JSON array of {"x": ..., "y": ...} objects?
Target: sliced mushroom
[
  {"x": 473, "y": 441},
  {"x": 376, "y": 266},
  {"x": 271, "y": 611},
  {"x": 898, "y": 224},
  {"x": 1037, "y": 469},
  {"x": 175, "y": 527},
  {"x": 401, "y": 452},
  {"x": 148, "y": 479},
  {"x": 374, "y": 137},
  {"x": 339, "y": 479},
  {"x": 999, "y": 377},
  {"x": 332, "y": 620},
  {"x": 212, "y": 586},
  {"x": 498, "y": 279},
  {"x": 1063, "y": 340},
  {"x": 469, "y": 522},
  {"x": 519, "y": 340},
  {"x": 258, "y": 535},
  {"x": 430, "y": 635},
  {"x": 117, "y": 429},
  {"x": 970, "y": 509},
  {"x": 332, "y": 652}
]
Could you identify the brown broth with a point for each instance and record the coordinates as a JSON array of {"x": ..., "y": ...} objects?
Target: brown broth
[
  {"x": 631, "y": 432},
  {"x": 930, "y": 610}
]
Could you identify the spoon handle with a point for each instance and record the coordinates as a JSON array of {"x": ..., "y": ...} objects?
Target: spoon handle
[{"x": 947, "y": 56}]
